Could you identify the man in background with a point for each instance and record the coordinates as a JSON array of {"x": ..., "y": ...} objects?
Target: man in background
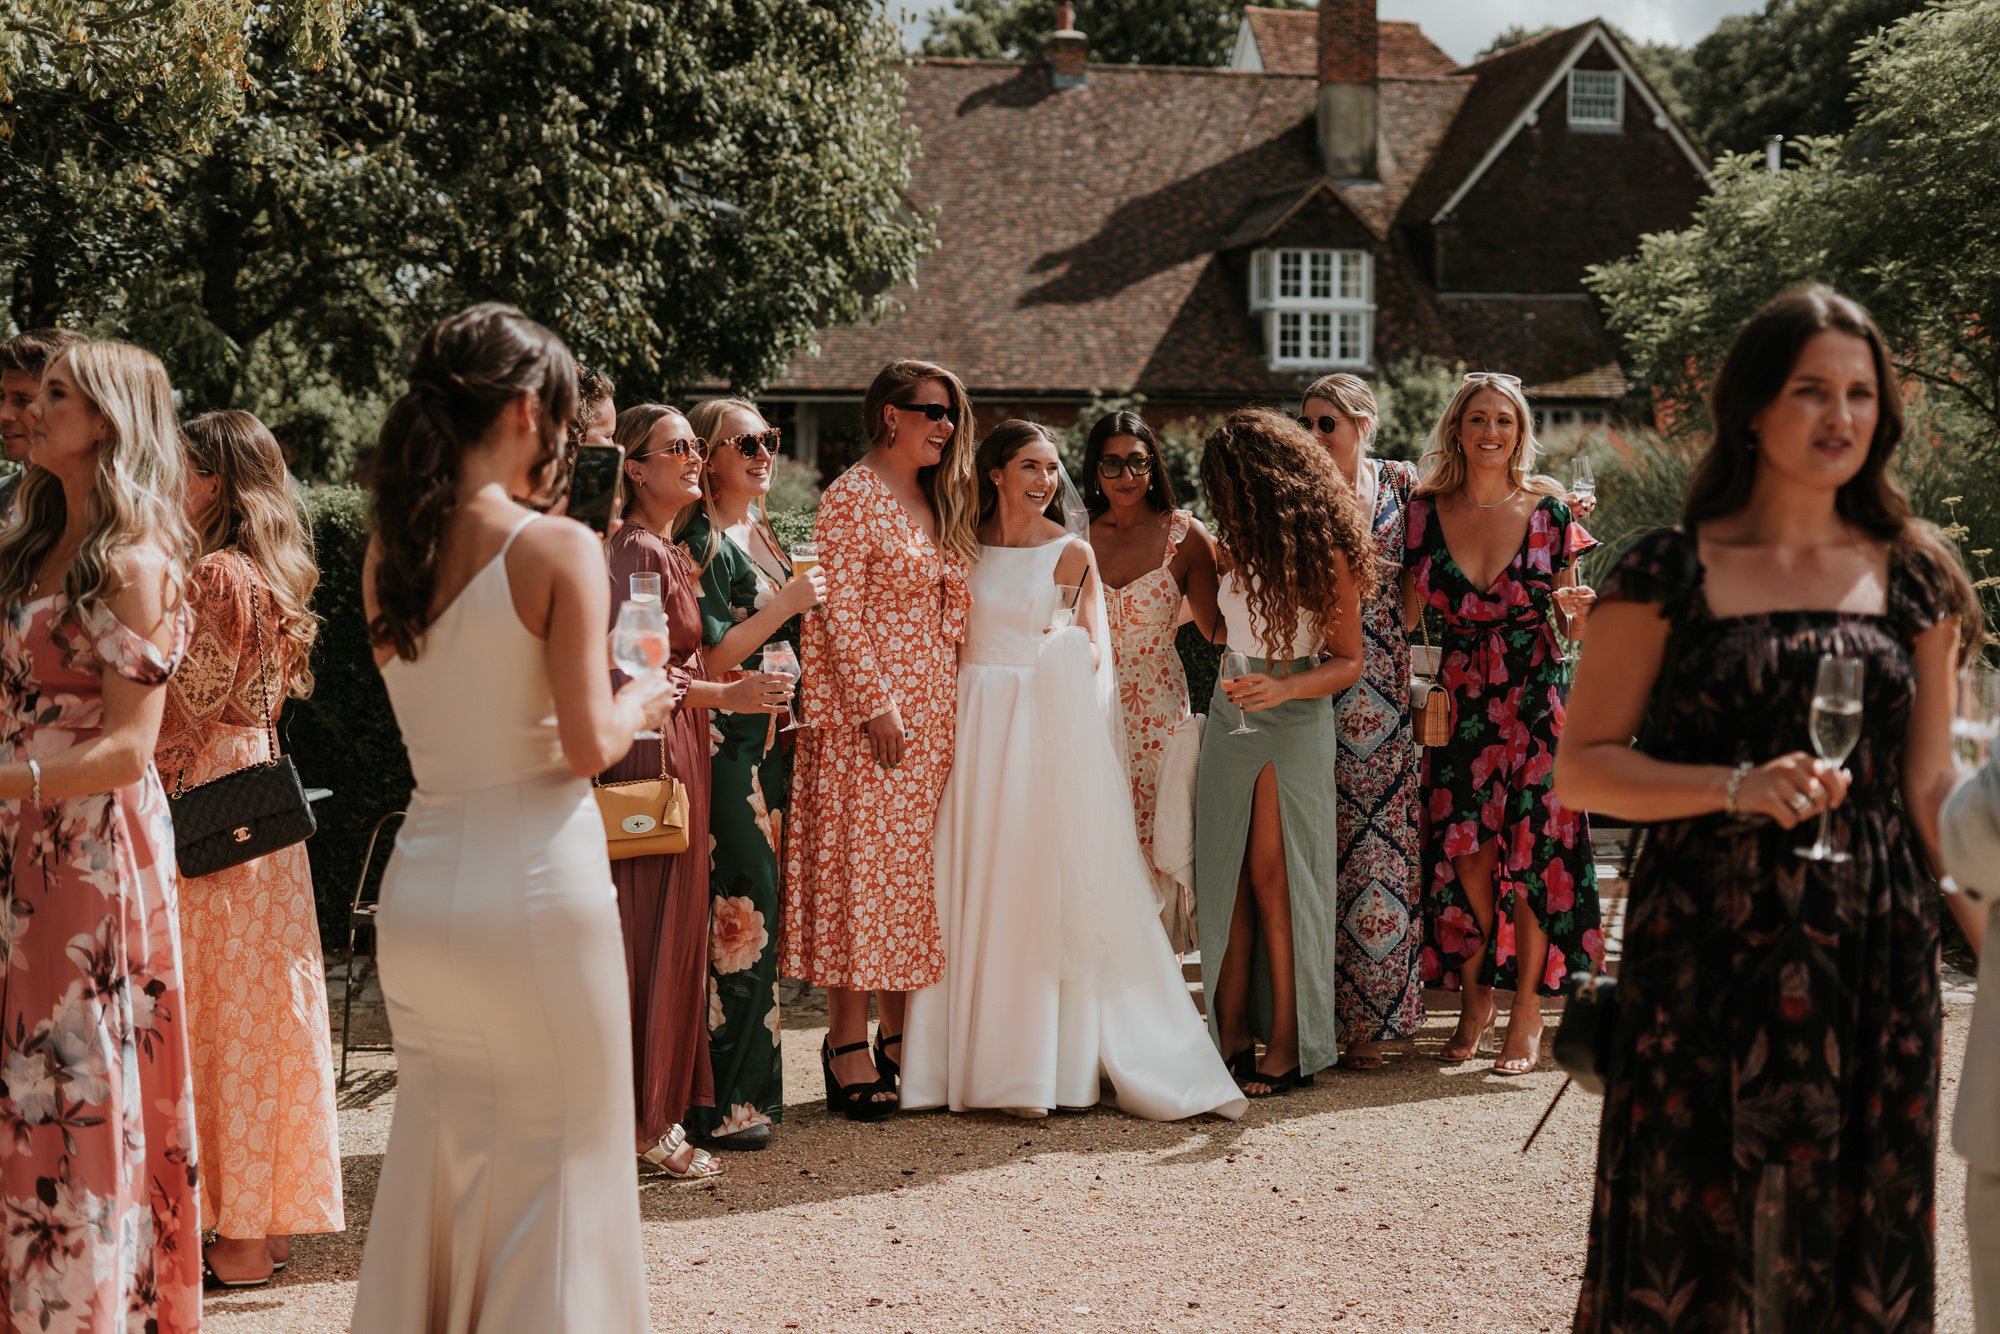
[{"x": 23, "y": 358}]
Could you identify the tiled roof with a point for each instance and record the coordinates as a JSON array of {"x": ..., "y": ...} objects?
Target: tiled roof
[
  {"x": 1288, "y": 43},
  {"x": 1502, "y": 85},
  {"x": 1557, "y": 345}
]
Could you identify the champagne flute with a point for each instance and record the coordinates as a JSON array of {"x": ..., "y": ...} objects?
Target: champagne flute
[
  {"x": 1584, "y": 483},
  {"x": 1976, "y": 724},
  {"x": 1836, "y": 727},
  {"x": 780, "y": 659},
  {"x": 646, "y": 586},
  {"x": 639, "y": 645},
  {"x": 1064, "y": 615},
  {"x": 805, "y": 555},
  {"x": 1234, "y": 665}
]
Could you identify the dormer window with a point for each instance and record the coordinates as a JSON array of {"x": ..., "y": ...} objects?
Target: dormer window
[
  {"x": 1596, "y": 99},
  {"x": 1318, "y": 306}
]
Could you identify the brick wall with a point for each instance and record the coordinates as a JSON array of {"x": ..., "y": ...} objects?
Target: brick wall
[{"x": 1347, "y": 42}]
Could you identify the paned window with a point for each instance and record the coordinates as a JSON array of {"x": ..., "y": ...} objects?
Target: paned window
[
  {"x": 1596, "y": 99},
  {"x": 1318, "y": 306}
]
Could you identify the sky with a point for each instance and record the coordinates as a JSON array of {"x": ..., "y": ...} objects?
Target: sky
[{"x": 1462, "y": 27}]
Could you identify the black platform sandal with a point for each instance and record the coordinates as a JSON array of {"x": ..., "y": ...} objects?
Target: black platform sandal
[
  {"x": 856, "y": 1102},
  {"x": 1276, "y": 1084},
  {"x": 891, "y": 1070},
  {"x": 1243, "y": 1065}
]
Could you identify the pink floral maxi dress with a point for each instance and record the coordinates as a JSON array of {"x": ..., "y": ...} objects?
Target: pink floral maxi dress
[
  {"x": 1145, "y": 615},
  {"x": 97, "y": 1164}
]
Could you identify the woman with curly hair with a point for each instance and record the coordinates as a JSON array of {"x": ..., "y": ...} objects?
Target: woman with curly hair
[
  {"x": 1510, "y": 887},
  {"x": 1297, "y": 563}
]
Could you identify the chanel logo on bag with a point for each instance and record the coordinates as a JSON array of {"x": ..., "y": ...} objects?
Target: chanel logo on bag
[
  {"x": 241, "y": 833},
  {"x": 638, "y": 824}
]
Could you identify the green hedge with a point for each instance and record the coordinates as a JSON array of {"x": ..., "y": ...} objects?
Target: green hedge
[{"x": 344, "y": 737}]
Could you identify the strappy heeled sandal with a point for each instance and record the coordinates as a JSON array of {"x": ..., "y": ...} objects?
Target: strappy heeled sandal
[
  {"x": 1243, "y": 1065},
  {"x": 891, "y": 1070},
  {"x": 702, "y": 1164},
  {"x": 856, "y": 1102}
]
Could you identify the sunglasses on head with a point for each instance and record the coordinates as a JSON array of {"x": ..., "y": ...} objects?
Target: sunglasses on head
[
  {"x": 1113, "y": 466},
  {"x": 1491, "y": 377},
  {"x": 677, "y": 449},
  {"x": 749, "y": 443},
  {"x": 1323, "y": 424},
  {"x": 937, "y": 412}
]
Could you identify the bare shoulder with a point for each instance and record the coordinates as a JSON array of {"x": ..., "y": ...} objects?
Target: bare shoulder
[
  {"x": 1076, "y": 559},
  {"x": 558, "y": 538}
]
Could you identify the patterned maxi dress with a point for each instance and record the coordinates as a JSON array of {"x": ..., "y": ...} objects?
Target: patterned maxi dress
[
  {"x": 860, "y": 872},
  {"x": 97, "y": 1178},
  {"x": 1491, "y": 783},
  {"x": 750, "y": 765},
  {"x": 258, "y": 1040},
  {"x": 1144, "y": 617},
  {"x": 663, "y": 901},
  {"x": 1379, "y": 989},
  {"x": 1769, "y": 1142}
]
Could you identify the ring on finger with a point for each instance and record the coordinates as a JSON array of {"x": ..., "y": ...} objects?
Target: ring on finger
[{"x": 1801, "y": 802}]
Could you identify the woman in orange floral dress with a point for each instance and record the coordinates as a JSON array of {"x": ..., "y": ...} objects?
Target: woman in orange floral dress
[
  {"x": 895, "y": 534},
  {"x": 1153, "y": 558},
  {"x": 258, "y": 1042}
]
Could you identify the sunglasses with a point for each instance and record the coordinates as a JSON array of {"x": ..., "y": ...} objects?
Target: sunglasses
[
  {"x": 750, "y": 443},
  {"x": 1323, "y": 424},
  {"x": 674, "y": 449},
  {"x": 1111, "y": 466},
  {"x": 937, "y": 412},
  {"x": 1491, "y": 377}
]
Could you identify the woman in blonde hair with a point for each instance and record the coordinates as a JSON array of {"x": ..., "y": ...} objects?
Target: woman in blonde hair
[
  {"x": 256, "y": 999},
  {"x": 896, "y": 536},
  {"x": 747, "y": 594},
  {"x": 1510, "y": 888},
  {"x": 96, "y": 1110}
]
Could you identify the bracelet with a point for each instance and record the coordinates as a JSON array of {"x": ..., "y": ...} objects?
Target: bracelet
[
  {"x": 1734, "y": 786},
  {"x": 35, "y": 774}
]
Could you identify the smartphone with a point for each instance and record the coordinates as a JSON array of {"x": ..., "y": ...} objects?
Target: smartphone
[{"x": 595, "y": 485}]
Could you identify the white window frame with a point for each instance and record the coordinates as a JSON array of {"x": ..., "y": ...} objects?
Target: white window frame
[
  {"x": 1317, "y": 306},
  {"x": 1569, "y": 417},
  {"x": 1612, "y": 89}
]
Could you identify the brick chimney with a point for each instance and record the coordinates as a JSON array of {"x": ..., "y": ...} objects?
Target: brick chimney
[
  {"x": 1067, "y": 50},
  {"x": 1349, "y": 117}
]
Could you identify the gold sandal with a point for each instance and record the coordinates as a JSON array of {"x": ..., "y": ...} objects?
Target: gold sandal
[{"x": 702, "y": 1165}]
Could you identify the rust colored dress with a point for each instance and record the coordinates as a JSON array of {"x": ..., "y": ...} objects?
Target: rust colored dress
[
  {"x": 860, "y": 871},
  {"x": 663, "y": 901},
  {"x": 258, "y": 1042}
]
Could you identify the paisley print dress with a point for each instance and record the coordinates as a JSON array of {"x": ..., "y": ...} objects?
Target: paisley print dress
[
  {"x": 1491, "y": 782},
  {"x": 97, "y": 1177},
  {"x": 1769, "y": 1145},
  {"x": 1144, "y": 617}
]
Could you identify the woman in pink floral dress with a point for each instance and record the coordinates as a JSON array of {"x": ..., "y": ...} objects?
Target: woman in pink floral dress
[
  {"x": 1153, "y": 557},
  {"x": 97, "y": 1177}
]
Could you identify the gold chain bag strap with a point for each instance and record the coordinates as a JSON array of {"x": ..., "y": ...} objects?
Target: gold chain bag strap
[
  {"x": 644, "y": 817},
  {"x": 1430, "y": 703}
]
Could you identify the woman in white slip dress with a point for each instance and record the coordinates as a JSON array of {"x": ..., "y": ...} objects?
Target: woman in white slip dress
[
  {"x": 508, "y": 1200},
  {"x": 1057, "y": 971}
]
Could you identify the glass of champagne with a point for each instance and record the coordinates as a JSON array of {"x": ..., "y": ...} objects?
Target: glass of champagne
[
  {"x": 1976, "y": 724},
  {"x": 639, "y": 644},
  {"x": 780, "y": 659},
  {"x": 646, "y": 586},
  {"x": 1836, "y": 728},
  {"x": 1234, "y": 666},
  {"x": 1584, "y": 483},
  {"x": 1064, "y": 615},
  {"x": 805, "y": 555}
]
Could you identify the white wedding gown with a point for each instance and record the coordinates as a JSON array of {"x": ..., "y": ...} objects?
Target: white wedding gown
[{"x": 1057, "y": 970}]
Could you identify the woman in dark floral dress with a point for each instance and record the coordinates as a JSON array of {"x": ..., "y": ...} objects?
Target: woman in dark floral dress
[
  {"x": 1768, "y": 1150},
  {"x": 1510, "y": 895}
]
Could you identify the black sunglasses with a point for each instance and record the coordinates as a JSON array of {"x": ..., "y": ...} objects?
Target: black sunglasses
[
  {"x": 937, "y": 412},
  {"x": 1326, "y": 425},
  {"x": 749, "y": 443},
  {"x": 1112, "y": 466}
]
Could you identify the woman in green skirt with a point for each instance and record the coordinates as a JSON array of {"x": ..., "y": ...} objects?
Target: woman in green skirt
[
  {"x": 748, "y": 593},
  {"x": 1296, "y": 562}
]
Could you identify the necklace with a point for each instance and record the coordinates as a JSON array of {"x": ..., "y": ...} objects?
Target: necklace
[{"x": 1494, "y": 505}]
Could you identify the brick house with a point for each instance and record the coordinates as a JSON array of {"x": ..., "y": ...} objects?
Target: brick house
[{"x": 1342, "y": 194}]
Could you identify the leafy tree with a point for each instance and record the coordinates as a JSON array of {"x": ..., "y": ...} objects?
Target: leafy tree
[{"x": 1121, "y": 32}]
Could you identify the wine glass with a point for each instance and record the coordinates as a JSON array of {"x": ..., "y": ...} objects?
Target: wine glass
[
  {"x": 1976, "y": 723},
  {"x": 1064, "y": 615},
  {"x": 639, "y": 644},
  {"x": 805, "y": 555},
  {"x": 1235, "y": 665},
  {"x": 646, "y": 586},
  {"x": 1584, "y": 482},
  {"x": 1836, "y": 727},
  {"x": 780, "y": 659}
]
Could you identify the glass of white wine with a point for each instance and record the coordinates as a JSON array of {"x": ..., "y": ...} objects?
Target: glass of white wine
[
  {"x": 1233, "y": 666},
  {"x": 1836, "y": 728},
  {"x": 780, "y": 659},
  {"x": 1584, "y": 483},
  {"x": 646, "y": 586},
  {"x": 639, "y": 644},
  {"x": 1064, "y": 615},
  {"x": 1976, "y": 724}
]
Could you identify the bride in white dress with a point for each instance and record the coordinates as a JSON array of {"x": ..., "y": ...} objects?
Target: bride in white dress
[{"x": 1057, "y": 970}]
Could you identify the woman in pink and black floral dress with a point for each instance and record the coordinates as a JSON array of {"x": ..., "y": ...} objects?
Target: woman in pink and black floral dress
[
  {"x": 96, "y": 1109},
  {"x": 1153, "y": 558}
]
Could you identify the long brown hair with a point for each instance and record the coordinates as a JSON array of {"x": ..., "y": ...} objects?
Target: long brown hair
[
  {"x": 1755, "y": 372},
  {"x": 998, "y": 449},
  {"x": 1159, "y": 489},
  {"x": 1284, "y": 513},
  {"x": 468, "y": 368},
  {"x": 258, "y": 513},
  {"x": 949, "y": 484}
]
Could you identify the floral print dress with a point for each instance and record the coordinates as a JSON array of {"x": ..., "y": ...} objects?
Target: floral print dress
[
  {"x": 1769, "y": 1145},
  {"x": 750, "y": 768},
  {"x": 1379, "y": 990},
  {"x": 97, "y": 1173},
  {"x": 860, "y": 871},
  {"x": 1144, "y": 616},
  {"x": 1491, "y": 782}
]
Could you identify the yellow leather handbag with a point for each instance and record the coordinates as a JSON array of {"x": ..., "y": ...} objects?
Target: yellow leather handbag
[{"x": 644, "y": 817}]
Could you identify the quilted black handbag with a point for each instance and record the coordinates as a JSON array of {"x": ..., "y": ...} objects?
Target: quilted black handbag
[{"x": 243, "y": 815}]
